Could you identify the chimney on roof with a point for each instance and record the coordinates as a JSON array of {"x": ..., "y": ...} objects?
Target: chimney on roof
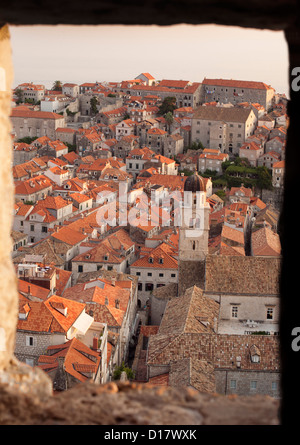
[
  {"x": 113, "y": 281},
  {"x": 117, "y": 304},
  {"x": 215, "y": 325},
  {"x": 95, "y": 343},
  {"x": 61, "y": 363}
]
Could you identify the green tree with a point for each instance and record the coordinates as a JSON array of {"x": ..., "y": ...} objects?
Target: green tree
[
  {"x": 196, "y": 146},
  {"x": 241, "y": 162},
  {"x": 169, "y": 120},
  {"x": 57, "y": 85},
  {"x": 19, "y": 94},
  {"x": 71, "y": 147},
  {"x": 264, "y": 180},
  {"x": 27, "y": 139},
  {"x": 187, "y": 172},
  {"x": 168, "y": 105},
  {"x": 221, "y": 194},
  {"x": 119, "y": 369},
  {"x": 94, "y": 102}
]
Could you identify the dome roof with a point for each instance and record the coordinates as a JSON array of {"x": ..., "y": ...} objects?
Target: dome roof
[{"x": 194, "y": 184}]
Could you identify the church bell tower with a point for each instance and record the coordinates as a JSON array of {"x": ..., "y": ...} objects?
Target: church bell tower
[{"x": 193, "y": 234}]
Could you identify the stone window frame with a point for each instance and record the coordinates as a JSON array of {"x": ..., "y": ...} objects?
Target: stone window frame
[
  {"x": 261, "y": 18},
  {"x": 270, "y": 310},
  {"x": 233, "y": 384},
  {"x": 30, "y": 341},
  {"x": 234, "y": 309}
]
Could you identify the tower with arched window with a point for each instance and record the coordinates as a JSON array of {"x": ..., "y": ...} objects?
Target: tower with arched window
[{"x": 193, "y": 234}]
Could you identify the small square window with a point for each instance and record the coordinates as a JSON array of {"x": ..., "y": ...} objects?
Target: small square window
[
  {"x": 270, "y": 313},
  {"x": 234, "y": 312},
  {"x": 149, "y": 274},
  {"x": 232, "y": 384},
  {"x": 274, "y": 386},
  {"x": 253, "y": 384},
  {"x": 149, "y": 287},
  {"x": 29, "y": 341}
]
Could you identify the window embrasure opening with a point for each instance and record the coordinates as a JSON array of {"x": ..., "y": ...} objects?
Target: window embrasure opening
[{"x": 74, "y": 122}]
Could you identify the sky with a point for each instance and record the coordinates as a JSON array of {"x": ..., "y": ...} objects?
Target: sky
[{"x": 78, "y": 54}]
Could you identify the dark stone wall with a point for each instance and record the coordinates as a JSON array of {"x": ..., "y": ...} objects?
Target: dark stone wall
[
  {"x": 252, "y": 13},
  {"x": 290, "y": 241},
  {"x": 190, "y": 273}
]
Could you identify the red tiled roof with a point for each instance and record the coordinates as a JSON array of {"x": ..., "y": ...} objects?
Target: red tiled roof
[
  {"x": 26, "y": 288},
  {"x": 42, "y": 317},
  {"x": 70, "y": 85},
  {"x": 247, "y": 191},
  {"x": 159, "y": 380},
  {"x": 35, "y": 114},
  {"x": 65, "y": 130},
  {"x": 148, "y": 76},
  {"x": 280, "y": 164},
  {"x": 77, "y": 359},
  {"x": 147, "y": 330},
  {"x": 71, "y": 156},
  {"x": 33, "y": 185},
  {"x": 232, "y": 234},
  {"x": 174, "y": 83},
  {"x": 69, "y": 236},
  {"x": 236, "y": 83},
  {"x": 62, "y": 278},
  {"x": 250, "y": 146},
  {"x": 162, "y": 251},
  {"x": 78, "y": 197},
  {"x": 265, "y": 243},
  {"x": 156, "y": 131}
]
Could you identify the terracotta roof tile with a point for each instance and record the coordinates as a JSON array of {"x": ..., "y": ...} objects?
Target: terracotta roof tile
[
  {"x": 77, "y": 359},
  {"x": 236, "y": 83},
  {"x": 242, "y": 275},
  {"x": 69, "y": 236},
  {"x": 265, "y": 243},
  {"x": 34, "y": 114}
]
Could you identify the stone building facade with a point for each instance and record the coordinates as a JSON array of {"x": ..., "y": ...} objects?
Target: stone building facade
[
  {"x": 23, "y": 153},
  {"x": 35, "y": 123},
  {"x": 173, "y": 145},
  {"x": 193, "y": 234},
  {"x": 228, "y": 364},
  {"x": 247, "y": 289},
  {"x": 236, "y": 91},
  {"x": 222, "y": 128}
]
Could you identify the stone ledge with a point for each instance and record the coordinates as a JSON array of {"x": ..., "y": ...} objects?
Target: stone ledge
[
  {"x": 254, "y": 13},
  {"x": 126, "y": 403}
]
